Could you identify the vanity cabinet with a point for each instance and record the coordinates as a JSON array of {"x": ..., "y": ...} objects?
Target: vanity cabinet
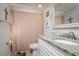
[{"x": 47, "y": 49}]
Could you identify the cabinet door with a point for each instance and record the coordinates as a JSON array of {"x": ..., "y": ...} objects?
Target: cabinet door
[{"x": 46, "y": 49}]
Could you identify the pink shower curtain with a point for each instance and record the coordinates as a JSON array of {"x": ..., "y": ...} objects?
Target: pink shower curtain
[{"x": 26, "y": 27}]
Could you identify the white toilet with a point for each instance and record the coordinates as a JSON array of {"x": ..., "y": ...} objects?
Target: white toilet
[{"x": 34, "y": 48}]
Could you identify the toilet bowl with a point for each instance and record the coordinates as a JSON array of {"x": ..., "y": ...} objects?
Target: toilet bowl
[{"x": 33, "y": 47}]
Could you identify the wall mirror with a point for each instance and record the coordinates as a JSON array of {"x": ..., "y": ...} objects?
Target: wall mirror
[{"x": 67, "y": 13}]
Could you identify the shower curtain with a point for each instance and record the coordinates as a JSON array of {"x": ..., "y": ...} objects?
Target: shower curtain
[{"x": 26, "y": 27}]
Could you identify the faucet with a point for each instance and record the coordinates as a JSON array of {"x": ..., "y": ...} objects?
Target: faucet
[{"x": 71, "y": 35}]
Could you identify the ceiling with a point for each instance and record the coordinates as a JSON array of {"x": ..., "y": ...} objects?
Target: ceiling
[
  {"x": 59, "y": 7},
  {"x": 44, "y": 5},
  {"x": 32, "y": 5},
  {"x": 65, "y": 6}
]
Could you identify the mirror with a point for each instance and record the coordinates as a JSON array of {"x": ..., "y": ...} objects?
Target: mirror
[{"x": 67, "y": 13}]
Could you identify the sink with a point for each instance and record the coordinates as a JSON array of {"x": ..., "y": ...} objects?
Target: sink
[{"x": 65, "y": 42}]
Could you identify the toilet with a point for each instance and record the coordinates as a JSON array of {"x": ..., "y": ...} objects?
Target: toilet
[{"x": 33, "y": 47}]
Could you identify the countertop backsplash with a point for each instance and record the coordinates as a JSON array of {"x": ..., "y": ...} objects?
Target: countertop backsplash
[{"x": 62, "y": 36}]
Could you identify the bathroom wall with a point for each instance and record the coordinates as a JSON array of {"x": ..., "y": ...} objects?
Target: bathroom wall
[
  {"x": 74, "y": 13},
  {"x": 4, "y": 30},
  {"x": 3, "y": 6},
  {"x": 48, "y": 22},
  {"x": 66, "y": 30}
]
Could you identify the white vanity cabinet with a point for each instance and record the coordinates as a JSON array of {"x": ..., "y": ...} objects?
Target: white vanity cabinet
[{"x": 46, "y": 49}]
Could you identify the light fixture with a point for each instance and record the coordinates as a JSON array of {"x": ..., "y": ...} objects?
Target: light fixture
[{"x": 39, "y": 6}]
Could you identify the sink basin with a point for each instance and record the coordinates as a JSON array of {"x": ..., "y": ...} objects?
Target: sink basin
[{"x": 65, "y": 42}]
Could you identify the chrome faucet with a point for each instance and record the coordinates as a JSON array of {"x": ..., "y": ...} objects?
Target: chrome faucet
[{"x": 71, "y": 35}]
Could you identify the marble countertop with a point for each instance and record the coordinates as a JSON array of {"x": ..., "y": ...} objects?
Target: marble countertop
[{"x": 71, "y": 49}]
